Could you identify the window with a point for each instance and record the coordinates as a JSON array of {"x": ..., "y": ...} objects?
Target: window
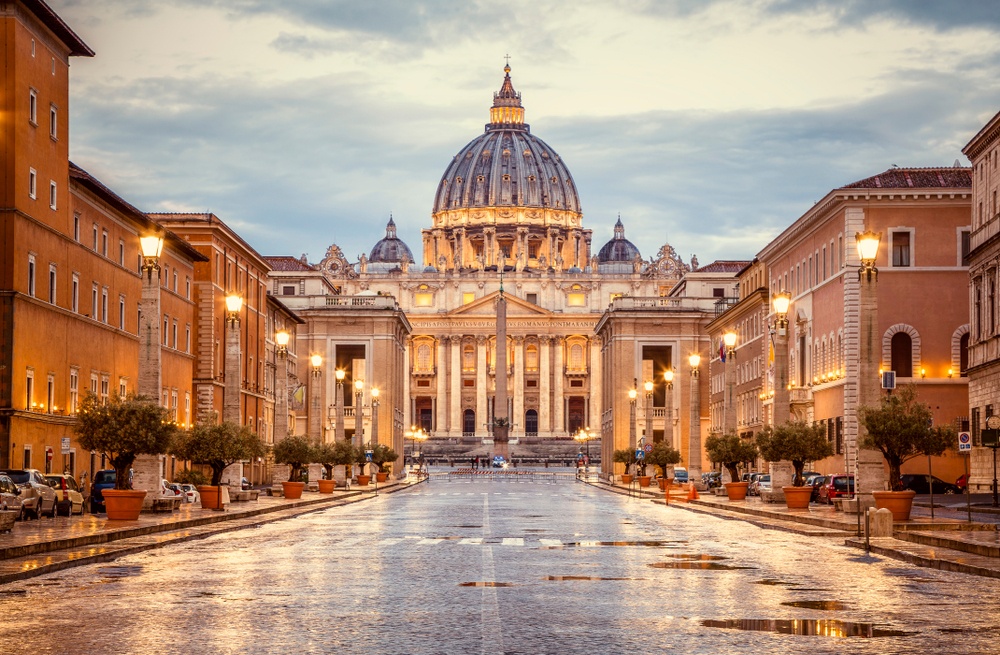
[
  {"x": 469, "y": 422},
  {"x": 53, "y": 122},
  {"x": 93, "y": 302},
  {"x": 718, "y": 293},
  {"x": 104, "y": 243},
  {"x": 468, "y": 298},
  {"x": 187, "y": 288},
  {"x": 423, "y": 296},
  {"x": 50, "y": 393},
  {"x": 900, "y": 248},
  {"x": 963, "y": 247},
  {"x": 95, "y": 237},
  {"x": 104, "y": 305},
  {"x": 74, "y": 389},
  {"x": 532, "y": 298},
  {"x": 75, "y": 300},
  {"x": 121, "y": 312},
  {"x": 53, "y": 195},
  {"x": 531, "y": 358},
  {"x": 173, "y": 333},
  {"x": 52, "y": 283},
  {"x": 32, "y": 106},
  {"x": 76, "y": 228},
  {"x": 468, "y": 357},
  {"x": 93, "y": 383},
  {"x": 902, "y": 355},
  {"x": 166, "y": 334},
  {"x": 121, "y": 252},
  {"x": 32, "y": 183},
  {"x": 122, "y": 387},
  {"x": 175, "y": 280},
  {"x": 31, "y": 275},
  {"x": 187, "y": 339},
  {"x": 29, "y": 389},
  {"x": 531, "y": 422},
  {"x": 105, "y": 389},
  {"x": 576, "y": 297},
  {"x": 423, "y": 358}
]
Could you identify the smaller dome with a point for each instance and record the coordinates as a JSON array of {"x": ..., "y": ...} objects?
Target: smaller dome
[
  {"x": 574, "y": 270},
  {"x": 619, "y": 249},
  {"x": 430, "y": 269},
  {"x": 391, "y": 249}
]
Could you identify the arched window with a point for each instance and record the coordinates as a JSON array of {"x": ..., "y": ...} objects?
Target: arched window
[
  {"x": 576, "y": 357},
  {"x": 469, "y": 422},
  {"x": 902, "y": 355},
  {"x": 531, "y": 423},
  {"x": 468, "y": 357},
  {"x": 424, "y": 357},
  {"x": 531, "y": 358},
  {"x": 963, "y": 355}
]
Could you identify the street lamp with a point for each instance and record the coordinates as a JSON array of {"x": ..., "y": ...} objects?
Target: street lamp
[
  {"x": 781, "y": 408},
  {"x": 415, "y": 434},
  {"x": 694, "y": 428},
  {"x": 338, "y": 434},
  {"x": 633, "y": 393},
  {"x": 729, "y": 422},
  {"x": 149, "y": 385},
  {"x": 375, "y": 403},
  {"x": 281, "y": 338},
  {"x": 231, "y": 399},
  {"x": 315, "y": 404},
  {"x": 584, "y": 435},
  {"x": 359, "y": 426},
  {"x": 869, "y": 471},
  {"x": 668, "y": 424}
]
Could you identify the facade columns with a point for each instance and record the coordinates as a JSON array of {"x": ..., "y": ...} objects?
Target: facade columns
[
  {"x": 558, "y": 402},
  {"x": 455, "y": 379},
  {"x": 595, "y": 385},
  {"x": 517, "y": 421},
  {"x": 544, "y": 377},
  {"x": 482, "y": 415},
  {"x": 441, "y": 403}
]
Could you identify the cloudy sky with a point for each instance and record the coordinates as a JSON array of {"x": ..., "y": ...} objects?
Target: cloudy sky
[{"x": 708, "y": 124}]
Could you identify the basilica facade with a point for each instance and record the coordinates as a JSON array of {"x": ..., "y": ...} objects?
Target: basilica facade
[{"x": 505, "y": 214}]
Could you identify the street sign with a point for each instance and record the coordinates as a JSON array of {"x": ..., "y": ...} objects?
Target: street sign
[
  {"x": 65, "y": 445},
  {"x": 964, "y": 441},
  {"x": 648, "y": 448},
  {"x": 640, "y": 453},
  {"x": 368, "y": 455}
]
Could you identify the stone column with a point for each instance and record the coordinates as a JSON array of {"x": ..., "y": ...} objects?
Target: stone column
[
  {"x": 595, "y": 385},
  {"x": 869, "y": 469},
  {"x": 441, "y": 406},
  {"x": 558, "y": 424},
  {"x": 455, "y": 378},
  {"x": 518, "y": 419},
  {"x": 482, "y": 416},
  {"x": 544, "y": 380},
  {"x": 781, "y": 472},
  {"x": 146, "y": 468},
  {"x": 407, "y": 401}
]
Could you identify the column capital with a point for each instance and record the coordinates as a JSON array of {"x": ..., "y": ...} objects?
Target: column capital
[
  {"x": 481, "y": 339},
  {"x": 518, "y": 339}
]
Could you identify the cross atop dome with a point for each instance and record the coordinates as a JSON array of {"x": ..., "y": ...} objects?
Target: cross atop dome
[{"x": 507, "y": 112}]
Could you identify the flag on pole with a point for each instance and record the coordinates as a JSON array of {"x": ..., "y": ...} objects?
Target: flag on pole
[{"x": 722, "y": 350}]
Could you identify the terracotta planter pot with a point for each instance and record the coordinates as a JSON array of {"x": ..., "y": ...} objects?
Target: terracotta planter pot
[
  {"x": 797, "y": 497},
  {"x": 210, "y": 497},
  {"x": 364, "y": 480},
  {"x": 326, "y": 486},
  {"x": 381, "y": 477},
  {"x": 898, "y": 502},
  {"x": 123, "y": 504},
  {"x": 663, "y": 484},
  {"x": 737, "y": 490},
  {"x": 626, "y": 479},
  {"x": 293, "y": 490},
  {"x": 645, "y": 480}
]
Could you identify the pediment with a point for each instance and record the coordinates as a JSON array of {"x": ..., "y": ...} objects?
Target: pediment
[{"x": 486, "y": 306}]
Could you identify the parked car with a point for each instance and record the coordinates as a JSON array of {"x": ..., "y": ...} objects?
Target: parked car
[
  {"x": 680, "y": 475},
  {"x": 761, "y": 483},
  {"x": 169, "y": 489},
  {"x": 69, "y": 500},
  {"x": 499, "y": 462},
  {"x": 836, "y": 486},
  {"x": 962, "y": 482},
  {"x": 37, "y": 497},
  {"x": 10, "y": 495},
  {"x": 816, "y": 482},
  {"x": 245, "y": 484},
  {"x": 712, "y": 479},
  {"x": 191, "y": 494},
  {"x": 806, "y": 475},
  {"x": 104, "y": 479},
  {"x": 922, "y": 484},
  {"x": 752, "y": 483}
]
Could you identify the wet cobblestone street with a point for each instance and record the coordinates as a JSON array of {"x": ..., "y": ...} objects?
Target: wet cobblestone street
[{"x": 525, "y": 567}]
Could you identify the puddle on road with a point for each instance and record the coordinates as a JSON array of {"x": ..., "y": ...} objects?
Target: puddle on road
[
  {"x": 808, "y": 627},
  {"x": 704, "y": 566},
  {"x": 768, "y": 581},
  {"x": 825, "y": 605},
  {"x": 486, "y": 584},
  {"x": 466, "y": 527},
  {"x": 14, "y": 592},
  {"x": 120, "y": 571},
  {"x": 571, "y": 578},
  {"x": 699, "y": 557}
]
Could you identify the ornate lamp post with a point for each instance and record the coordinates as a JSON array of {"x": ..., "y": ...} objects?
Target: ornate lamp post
[
  {"x": 668, "y": 422},
  {"x": 869, "y": 471},
  {"x": 633, "y": 393},
  {"x": 729, "y": 417},
  {"x": 338, "y": 434},
  {"x": 781, "y": 409},
  {"x": 231, "y": 399},
  {"x": 375, "y": 403},
  {"x": 281, "y": 339},
  {"x": 648, "y": 386},
  {"x": 359, "y": 412},
  {"x": 694, "y": 429},
  {"x": 415, "y": 434},
  {"x": 584, "y": 435},
  {"x": 147, "y": 467}
]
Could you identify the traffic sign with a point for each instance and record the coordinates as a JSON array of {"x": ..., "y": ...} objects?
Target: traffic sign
[
  {"x": 65, "y": 446},
  {"x": 368, "y": 455},
  {"x": 648, "y": 448},
  {"x": 964, "y": 441},
  {"x": 640, "y": 453}
]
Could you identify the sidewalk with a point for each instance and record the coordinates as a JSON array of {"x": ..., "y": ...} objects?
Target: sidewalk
[
  {"x": 948, "y": 541},
  {"x": 43, "y": 546}
]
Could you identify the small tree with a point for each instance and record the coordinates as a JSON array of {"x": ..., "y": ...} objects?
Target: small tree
[
  {"x": 297, "y": 452},
  {"x": 218, "y": 446},
  {"x": 663, "y": 455},
  {"x": 624, "y": 456},
  {"x": 382, "y": 455},
  {"x": 334, "y": 454},
  {"x": 901, "y": 428},
  {"x": 795, "y": 441},
  {"x": 190, "y": 476},
  {"x": 122, "y": 429},
  {"x": 730, "y": 451}
]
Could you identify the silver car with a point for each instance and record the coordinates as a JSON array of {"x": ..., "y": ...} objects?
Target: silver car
[
  {"x": 37, "y": 497},
  {"x": 10, "y": 495}
]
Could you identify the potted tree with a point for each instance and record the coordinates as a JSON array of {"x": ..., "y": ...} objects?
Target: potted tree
[
  {"x": 624, "y": 456},
  {"x": 217, "y": 446},
  {"x": 329, "y": 455},
  {"x": 361, "y": 459},
  {"x": 901, "y": 428},
  {"x": 297, "y": 452},
  {"x": 731, "y": 451},
  {"x": 665, "y": 457},
  {"x": 797, "y": 442},
  {"x": 382, "y": 455},
  {"x": 122, "y": 429}
]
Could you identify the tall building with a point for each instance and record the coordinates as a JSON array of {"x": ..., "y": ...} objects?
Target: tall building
[{"x": 505, "y": 211}]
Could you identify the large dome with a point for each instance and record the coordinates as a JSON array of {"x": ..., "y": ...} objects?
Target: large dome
[{"x": 507, "y": 166}]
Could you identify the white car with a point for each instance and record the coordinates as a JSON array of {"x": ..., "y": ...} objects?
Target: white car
[
  {"x": 37, "y": 497},
  {"x": 191, "y": 494}
]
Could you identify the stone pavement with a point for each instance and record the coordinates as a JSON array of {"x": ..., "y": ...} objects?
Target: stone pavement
[
  {"x": 949, "y": 541},
  {"x": 43, "y": 546}
]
